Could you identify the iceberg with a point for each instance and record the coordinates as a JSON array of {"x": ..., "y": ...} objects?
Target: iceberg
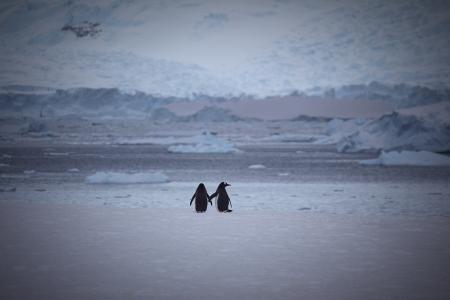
[
  {"x": 398, "y": 131},
  {"x": 414, "y": 158},
  {"x": 337, "y": 129}
]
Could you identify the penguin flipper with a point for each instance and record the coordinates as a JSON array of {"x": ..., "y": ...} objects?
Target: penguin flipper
[
  {"x": 192, "y": 199},
  {"x": 212, "y": 196}
]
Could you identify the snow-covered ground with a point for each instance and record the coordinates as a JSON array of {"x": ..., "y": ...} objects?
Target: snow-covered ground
[{"x": 78, "y": 252}]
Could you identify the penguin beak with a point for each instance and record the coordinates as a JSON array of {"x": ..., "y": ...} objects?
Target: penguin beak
[{"x": 226, "y": 184}]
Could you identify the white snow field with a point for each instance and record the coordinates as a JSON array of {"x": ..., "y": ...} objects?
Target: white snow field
[
  {"x": 415, "y": 158},
  {"x": 76, "y": 252}
]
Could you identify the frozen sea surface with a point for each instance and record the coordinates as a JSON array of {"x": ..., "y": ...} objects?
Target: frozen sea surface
[{"x": 54, "y": 251}]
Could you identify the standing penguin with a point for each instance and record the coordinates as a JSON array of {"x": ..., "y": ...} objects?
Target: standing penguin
[
  {"x": 201, "y": 198},
  {"x": 222, "y": 198}
]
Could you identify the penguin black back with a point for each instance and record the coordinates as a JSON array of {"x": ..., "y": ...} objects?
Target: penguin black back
[
  {"x": 223, "y": 200},
  {"x": 201, "y": 198}
]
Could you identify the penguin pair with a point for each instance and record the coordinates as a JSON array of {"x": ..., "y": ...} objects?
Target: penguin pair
[{"x": 202, "y": 198}]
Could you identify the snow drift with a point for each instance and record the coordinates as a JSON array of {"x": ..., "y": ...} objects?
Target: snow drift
[
  {"x": 204, "y": 143},
  {"x": 115, "y": 177},
  {"x": 415, "y": 158}
]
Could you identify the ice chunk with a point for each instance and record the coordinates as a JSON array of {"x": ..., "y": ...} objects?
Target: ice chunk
[
  {"x": 204, "y": 143},
  {"x": 116, "y": 177},
  {"x": 417, "y": 158},
  {"x": 73, "y": 170},
  {"x": 283, "y": 174},
  {"x": 257, "y": 167}
]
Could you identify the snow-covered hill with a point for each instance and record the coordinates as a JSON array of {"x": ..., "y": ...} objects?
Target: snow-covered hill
[{"x": 178, "y": 48}]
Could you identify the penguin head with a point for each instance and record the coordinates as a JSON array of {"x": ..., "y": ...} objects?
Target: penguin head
[
  {"x": 201, "y": 187},
  {"x": 224, "y": 184}
]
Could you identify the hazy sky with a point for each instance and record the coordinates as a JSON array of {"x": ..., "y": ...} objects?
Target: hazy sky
[{"x": 261, "y": 46}]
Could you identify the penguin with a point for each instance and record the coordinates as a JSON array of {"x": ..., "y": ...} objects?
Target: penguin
[
  {"x": 201, "y": 198},
  {"x": 222, "y": 198}
]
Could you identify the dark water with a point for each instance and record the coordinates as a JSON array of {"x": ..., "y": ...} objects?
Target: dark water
[{"x": 283, "y": 164}]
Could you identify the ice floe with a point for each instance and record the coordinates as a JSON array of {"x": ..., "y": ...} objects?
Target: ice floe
[
  {"x": 258, "y": 166},
  {"x": 204, "y": 143},
  {"x": 116, "y": 177}
]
